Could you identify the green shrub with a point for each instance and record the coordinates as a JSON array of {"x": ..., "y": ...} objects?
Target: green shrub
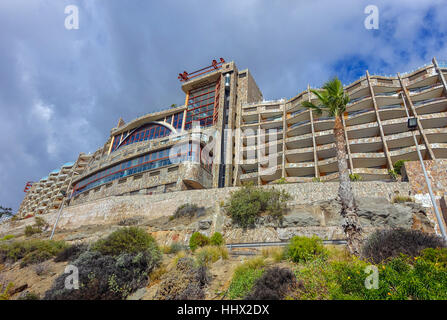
[
  {"x": 244, "y": 278},
  {"x": 7, "y": 237},
  {"x": 355, "y": 177},
  {"x": 437, "y": 256},
  {"x": 398, "y": 280},
  {"x": 391, "y": 243},
  {"x": 217, "y": 239},
  {"x": 107, "y": 277},
  {"x": 247, "y": 204},
  {"x": 393, "y": 174},
  {"x": 30, "y": 230},
  {"x": 71, "y": 253},
  {"x": 198, "y": 240},
  {"x": 125, "y": 240},
  {"x": 30, "y": 296},
  {"x": 30, "y": 251},
  {"x": 112, "y": 269},
  {"x": 398, "y": 166},
  {"x": 210, "y": 254},
  {"x": 40, "y": 222},
  {"x": 176, "y": 247},
  {"x": 305, "y": 249},
  {"x": 280, "y": 181},
  {"x": 402, "y": 199},
  {"x": 316, "y": 179},
  {"x": 5, "y": 291}
]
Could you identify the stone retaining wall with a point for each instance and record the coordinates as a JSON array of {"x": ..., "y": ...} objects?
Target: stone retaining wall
[{"x": 115, "y": 208}]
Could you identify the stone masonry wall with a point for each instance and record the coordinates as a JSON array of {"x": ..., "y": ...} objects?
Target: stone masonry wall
[
  {"x": 437, "y": 173},
  {"x": 115, "y": 208}
]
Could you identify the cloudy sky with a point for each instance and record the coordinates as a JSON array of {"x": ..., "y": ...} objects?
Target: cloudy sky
[{"x": 61, "y": 91}]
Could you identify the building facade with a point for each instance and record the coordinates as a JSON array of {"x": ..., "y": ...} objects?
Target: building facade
[{"x": 226, "y": 134}]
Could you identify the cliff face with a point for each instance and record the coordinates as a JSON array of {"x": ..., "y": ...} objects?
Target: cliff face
[{"x": 321, "y": 218}]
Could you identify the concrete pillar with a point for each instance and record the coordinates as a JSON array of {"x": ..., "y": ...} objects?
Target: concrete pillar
[
  {"x": 379, "y": 123},
  {"x": 314, "y": 144},
  {"x": 441, "y": 75},
  {"x": 413, "y": 110}
]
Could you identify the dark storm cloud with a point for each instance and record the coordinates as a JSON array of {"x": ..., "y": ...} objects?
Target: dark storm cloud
[{"x": 61, "y": 91}]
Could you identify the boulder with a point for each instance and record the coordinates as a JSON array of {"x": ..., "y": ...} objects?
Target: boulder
[
  {"x": 300, "y": 219},
  {"x": 205, "y": 224}
]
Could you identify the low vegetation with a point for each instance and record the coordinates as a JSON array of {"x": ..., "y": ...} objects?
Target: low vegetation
[
  {"x": 112, "y": 268},
  {"x": 305, "y": 249},
  {"x": 244, "y": 278},
  {"x": 7, "y": 237},
  {"x": 355, "y": 177},
  {"x": 210, "y": 254},
  {"x": 398, "y": 166},
  {"x": 391, "y": 243},
  {"x": 186, "y": 282},
  {"x": 39, "y": 226},
  {"x": 402, "y": 199},
  {"x": 31, "y": 251},
  {"x": 188, "y": 210},
  {"x": 248, "y": 203},
  {"x": 198, "y": 240},
  {"x": 217, "y": 239},
  {"x": 274, "y": 284}
]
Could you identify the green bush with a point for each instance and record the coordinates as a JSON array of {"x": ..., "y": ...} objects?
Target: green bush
[
  {"x": 125, "y": 240},
  {"x": 316, "y": 179},
  {"x": 30, "y": 296},
  {"x": 217, "y": 239},
  {"x": 398, "y": 280},
  {"x": 244, "y": 278},
  {"x": 31, "y": 251},
  {"x": 437, "y": 256},
  {"x": 210, "y": 254},
  {"x": 305, "y": 249},
  {"x": 112, "y": 268},
  {"x": 30, "y": 230},
  {"x": 71, "y": 253},
  {"x": 393, "y": 174},
  {"x": 7, "y": 237},
  {"x": 402, "y": 199},
  {"x": 398, "y": 166},
  {"x": 247, "y": 204},
  {"x": 391, "y": 243},
  {"x": 176, "y": 247},
  {"x": 355, "y": 177},
  {"x": 280, "y": 181},
  {"x": 107, "y": 277},
  {"x": 198, "y": 240}
]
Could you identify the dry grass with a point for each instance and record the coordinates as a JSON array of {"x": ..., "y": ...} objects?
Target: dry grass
[
  {"x": 210, "y": 254},
  {"x": 276, "y": 253},
  {"x": 402, "y": 199}
]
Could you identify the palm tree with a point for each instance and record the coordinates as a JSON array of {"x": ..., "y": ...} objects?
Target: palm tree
[{"x": 333, "y": 100}]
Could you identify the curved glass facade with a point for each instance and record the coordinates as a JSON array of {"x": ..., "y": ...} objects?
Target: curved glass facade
[
  {"x": 149, "y": 161},
  {"x": 145, "y": 132}
]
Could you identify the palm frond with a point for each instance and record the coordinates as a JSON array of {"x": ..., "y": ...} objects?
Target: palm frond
[{"x": 318, "y": 109}]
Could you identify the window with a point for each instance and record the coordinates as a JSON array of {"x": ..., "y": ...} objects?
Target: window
[
  {"x": 145, "y": 132},
  {"x": 137, "y": 165},
  {"x": 201, "y": 106}
]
